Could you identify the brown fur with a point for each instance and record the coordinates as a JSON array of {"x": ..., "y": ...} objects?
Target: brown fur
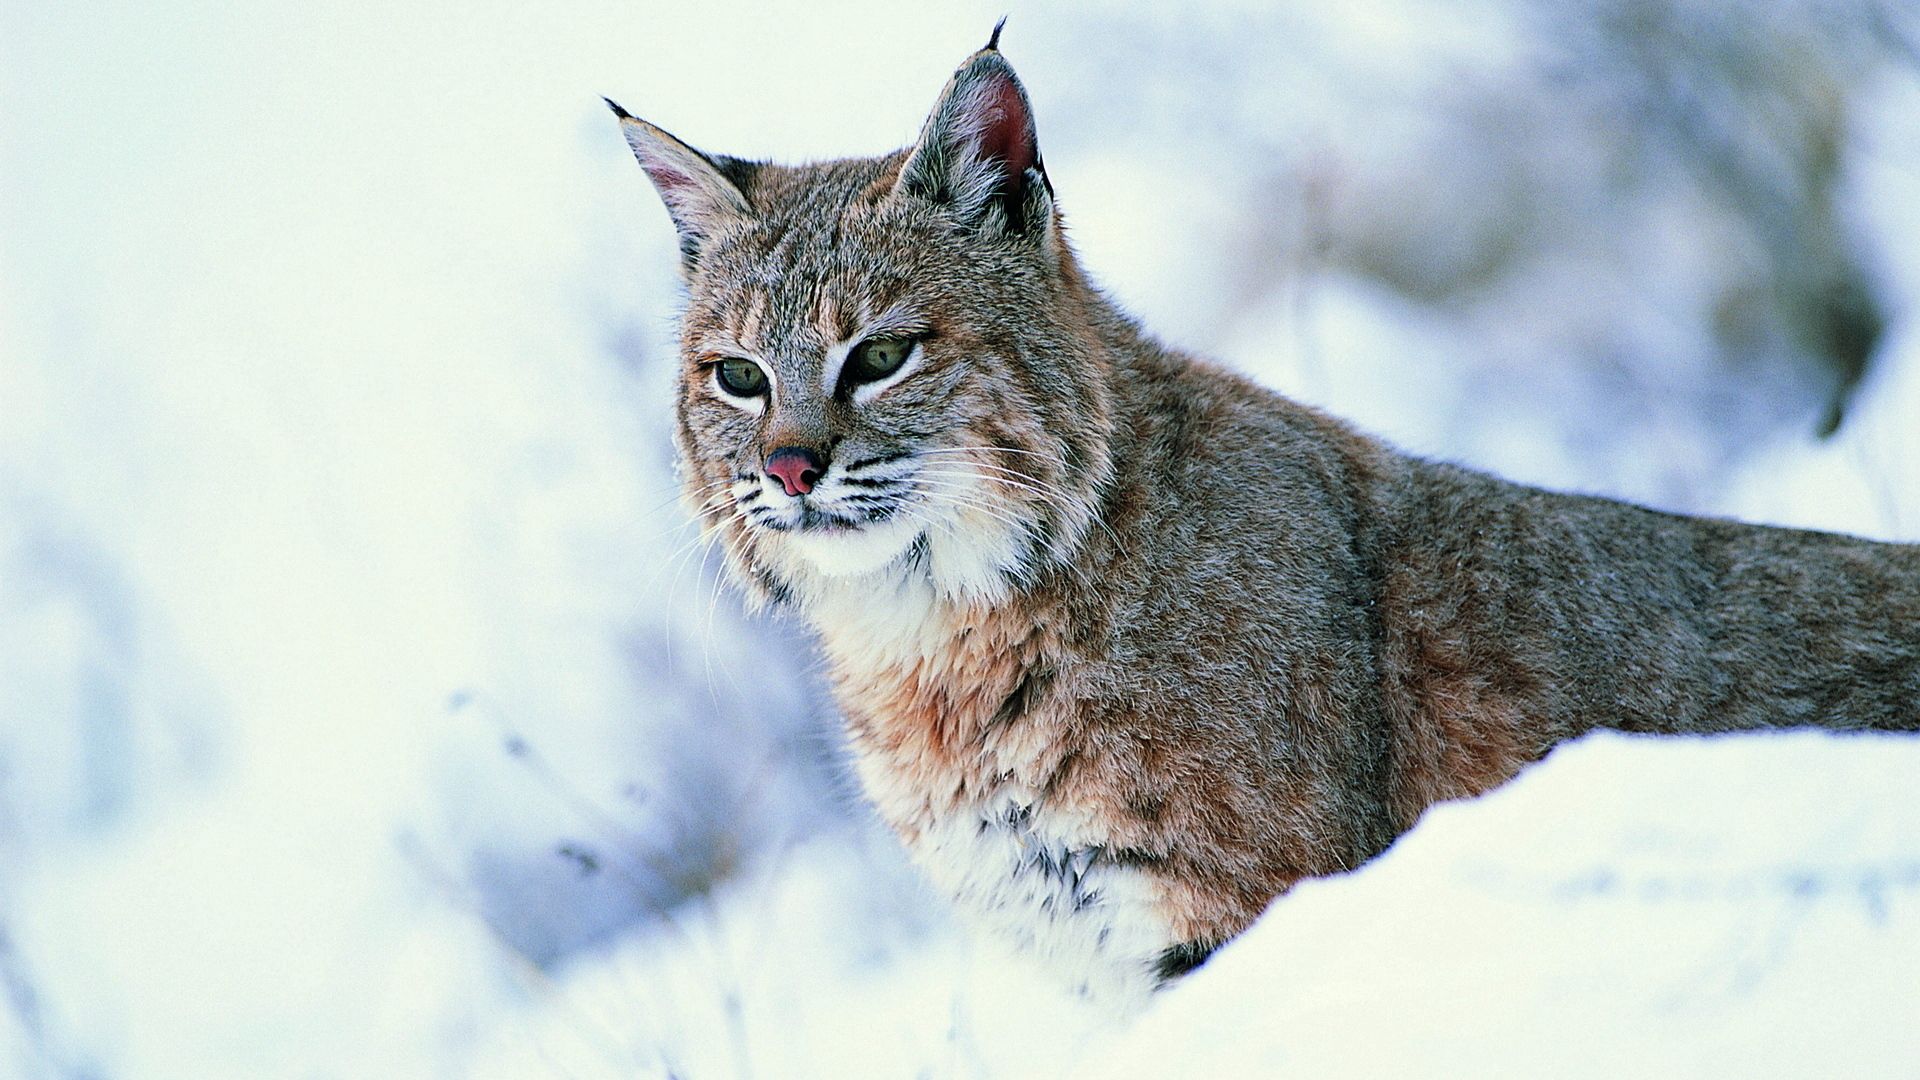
[{"x": 1228, "y": 642}]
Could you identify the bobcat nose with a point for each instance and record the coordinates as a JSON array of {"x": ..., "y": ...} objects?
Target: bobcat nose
[{"x": 796, "y": 467}]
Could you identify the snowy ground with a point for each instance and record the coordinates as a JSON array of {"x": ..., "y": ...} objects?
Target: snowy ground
[
  {"x": 366, "y": 711},
  {"x": 1737, "y": 907},
  {"x": 1741, "y": 907}
]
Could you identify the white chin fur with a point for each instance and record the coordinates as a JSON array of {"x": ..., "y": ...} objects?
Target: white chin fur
[
  {"x": 851, "y": 553},
  {"x": 969, "y": 550}
]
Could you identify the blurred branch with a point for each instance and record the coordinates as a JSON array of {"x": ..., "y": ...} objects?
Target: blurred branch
[{"x": 23, "y": 1000}]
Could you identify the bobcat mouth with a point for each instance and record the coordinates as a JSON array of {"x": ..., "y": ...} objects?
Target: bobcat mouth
[
  {"x": 845, "y": 537},
  {"x": 814, "y": 519},
  {"x": 806, "y": 516},
  {"x": 849, "y": 520}
]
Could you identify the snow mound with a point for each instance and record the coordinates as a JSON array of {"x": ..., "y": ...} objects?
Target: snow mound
[{"x": 1736, "y": 906}]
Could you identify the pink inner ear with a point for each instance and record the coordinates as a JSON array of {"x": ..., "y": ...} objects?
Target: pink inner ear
[
  {"x": 667, "y": 178},
  {"x": 1007, "y": 134}
]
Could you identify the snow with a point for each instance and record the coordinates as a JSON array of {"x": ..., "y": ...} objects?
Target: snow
[
  {"x": 366, "y": 710},
  {"x": 839, "y": 964},
  {"x": 1721, "y": 907}
]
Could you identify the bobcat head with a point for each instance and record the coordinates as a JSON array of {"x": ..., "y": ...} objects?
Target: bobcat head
[{"x": 886, "y": 365}]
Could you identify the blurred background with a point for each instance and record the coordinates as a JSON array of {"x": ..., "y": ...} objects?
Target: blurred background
[{"x": 368, "y": 706}]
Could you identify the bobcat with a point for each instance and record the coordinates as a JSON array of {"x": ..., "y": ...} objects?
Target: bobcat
[{"x": 1127, "y": 645}]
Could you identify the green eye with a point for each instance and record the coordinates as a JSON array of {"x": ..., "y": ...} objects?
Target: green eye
[
  {"x": 742, "y": 378},
  {"x": 875, "y": 359}
]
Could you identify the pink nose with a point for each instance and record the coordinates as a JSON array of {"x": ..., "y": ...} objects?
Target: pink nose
[{"x": 796, "y": 467}]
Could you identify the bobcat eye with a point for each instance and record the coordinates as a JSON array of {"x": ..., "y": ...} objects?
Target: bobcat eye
[
  {"x": 741, "y": 378},
  {"x": 875, "y": 359}
]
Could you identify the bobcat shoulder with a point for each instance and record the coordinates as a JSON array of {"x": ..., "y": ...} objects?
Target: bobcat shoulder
[{"x": 1127, "y": 645}]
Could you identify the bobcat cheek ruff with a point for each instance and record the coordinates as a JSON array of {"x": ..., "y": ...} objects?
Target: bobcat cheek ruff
[{"x": 1128, "y": 645}]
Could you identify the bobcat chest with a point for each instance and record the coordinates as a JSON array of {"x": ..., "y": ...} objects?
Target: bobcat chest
[
  {"x": 956, "y": 756},
  {"x": 1049, "y": 888}
]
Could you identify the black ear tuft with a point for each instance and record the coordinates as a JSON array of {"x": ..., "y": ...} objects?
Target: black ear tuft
[
  {"x": 979, "y": 153},
  {"x": 993, "y": 43}
]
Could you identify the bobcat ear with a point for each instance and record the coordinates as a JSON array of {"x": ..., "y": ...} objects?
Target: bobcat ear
[
  {"x": 702, "y": 193},
  {"x": 978, "y": 152}
]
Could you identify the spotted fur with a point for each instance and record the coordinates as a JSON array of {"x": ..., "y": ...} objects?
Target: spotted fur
[{"x": 1127, "y": 645}]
